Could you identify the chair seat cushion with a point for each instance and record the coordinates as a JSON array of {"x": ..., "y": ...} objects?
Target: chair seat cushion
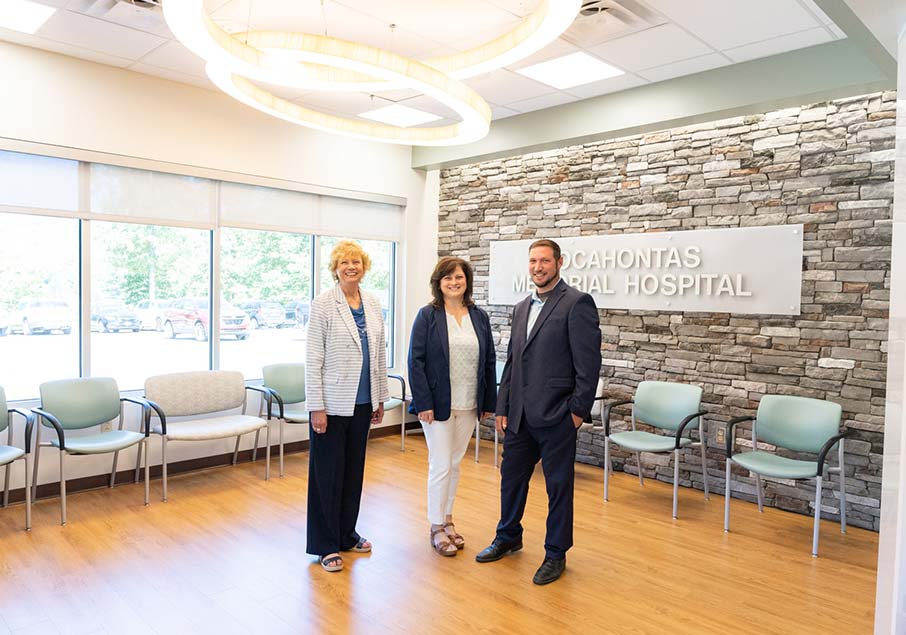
[
  {"x": 100, "y": 443},
  {"x": 769, "y": 464},
  {"x": 211, "y": 427},
  {"x": 295, "y": 413},
  {"x": 9, "y": 453},
  {"x": 642, "y": 441},
  {"x": 392, "y": 404}
]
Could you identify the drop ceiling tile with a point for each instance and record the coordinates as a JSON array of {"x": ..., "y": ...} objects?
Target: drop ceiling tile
[
  {"x": 176, "y": 76},
  {"x": 97, "y": 35},
  {"x": 686, "y": 67},
  {"x": 544, "y": 101},
  {"x": 37, "y": 42},
  {"x": 347, "y": 104},
  {"x": 557, "y": 48},
  {"x": 605, "y": 86},
  {"x": 724, "y": 24},
  {"x": 652, "y": 47},
  {"x": 504, "y": 87},
  {"x": 480, "y": 34},
  {"x": 781, "y": 44},
  {"x": 423, "y": 102},
  {"x": 53, "y": 3},
  {"x": 502, "y": 112},
  {"x": 174, "y": 56},
  {"x": 397, "y": 95}
]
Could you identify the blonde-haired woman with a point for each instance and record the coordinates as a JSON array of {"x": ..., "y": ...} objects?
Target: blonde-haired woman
[{"x": 346, "y": 387}]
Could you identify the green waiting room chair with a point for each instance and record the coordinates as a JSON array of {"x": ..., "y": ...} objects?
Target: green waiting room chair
[
  {"x": 666, "y": 406},
  {"x": 799, "y": 424},
  {"x": 9, "y": 453},
  {"x": 71, "y": 406}
]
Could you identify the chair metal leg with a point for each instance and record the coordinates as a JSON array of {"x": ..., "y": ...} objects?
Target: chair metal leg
[
  {"x": 840, "y": 453},
  {"x": 163, "y": 464},
  {"x": 6, "y": 485},
  {"x": 676, "y": 455},
  {"x": 727, "y": 500},
  {"x": 817, "y": 516},
  {"x": 267, "y": 452},
  {"x": 403, "y": 433},
  {"x": 606, "y": 468},
  {"x": 34, "y": 478},
  {"x": 27, "y": 493},
  {"x": 704, "y": 444},
  {"x": 477, "y": 437},
  {"x": 638, "y": 460},
  {"x": 282, "y": 423},
  {"x": 146, "y": 443},
  {"x": 236, "y": 450},
  {"x": 138, "y": 465},
  {"x": 116, "y": 456},
  {"x": 62, "y": 489},
  {"x": 255, "y": 447},
  {"x": 759, "y": 492}
]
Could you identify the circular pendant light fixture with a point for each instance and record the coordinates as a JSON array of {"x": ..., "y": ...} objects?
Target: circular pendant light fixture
[{"x": 315, "y": 62}]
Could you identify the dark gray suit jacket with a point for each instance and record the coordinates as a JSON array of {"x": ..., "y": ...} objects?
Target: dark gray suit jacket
[{"x": 555, "y": 372}]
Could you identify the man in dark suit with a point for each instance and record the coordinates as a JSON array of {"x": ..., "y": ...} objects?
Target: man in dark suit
[{"x": 546, "y": 392}]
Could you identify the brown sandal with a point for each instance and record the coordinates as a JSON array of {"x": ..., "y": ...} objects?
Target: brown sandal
[
  {"x": 442, "y": 547},
  {"x": 454, "y": 537}
]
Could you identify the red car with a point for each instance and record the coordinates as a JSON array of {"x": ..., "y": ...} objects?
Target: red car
[{"x": 191, "y": 316}]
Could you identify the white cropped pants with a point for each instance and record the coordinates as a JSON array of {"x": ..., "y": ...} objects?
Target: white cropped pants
[{"x": 447, "y": 443}]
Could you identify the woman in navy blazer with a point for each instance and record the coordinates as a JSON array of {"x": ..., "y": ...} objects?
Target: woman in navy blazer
[{"x": 453, "y": 380}]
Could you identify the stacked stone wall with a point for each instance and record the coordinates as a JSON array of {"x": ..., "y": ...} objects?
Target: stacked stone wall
[{"x": 828, "y": 166}]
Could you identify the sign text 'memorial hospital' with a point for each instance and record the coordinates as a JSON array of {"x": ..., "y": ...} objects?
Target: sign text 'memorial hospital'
[{"x": 751, "y": 270}]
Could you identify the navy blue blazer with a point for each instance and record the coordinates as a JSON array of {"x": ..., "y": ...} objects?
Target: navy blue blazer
[
  {"x": 553, "y": 372},
  {"x": 429, "y": 362}
]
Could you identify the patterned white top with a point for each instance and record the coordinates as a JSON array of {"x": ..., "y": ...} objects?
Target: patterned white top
[{"x": 463, "y": 363}]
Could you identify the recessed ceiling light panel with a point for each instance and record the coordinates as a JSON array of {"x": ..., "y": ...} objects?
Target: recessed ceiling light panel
[
  {"x": 570, "y": 70},
  {"x": 397, "y": 115},
  {"x": 24, "y": 16}
]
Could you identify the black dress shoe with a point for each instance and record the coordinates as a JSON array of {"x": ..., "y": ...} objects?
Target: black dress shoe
[
  {"x": 496, "y": 550},
  {"x": 549, "y": 571}
]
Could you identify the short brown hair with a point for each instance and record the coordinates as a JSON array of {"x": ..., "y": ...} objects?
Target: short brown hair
[
  {"x": 546, "y": 242},
  {"x": 347, "y": 249},
  {"x": 445, "y": 266}
]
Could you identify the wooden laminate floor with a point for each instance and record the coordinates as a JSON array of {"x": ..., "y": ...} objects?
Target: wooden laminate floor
[{"x": 226, "y": 555}]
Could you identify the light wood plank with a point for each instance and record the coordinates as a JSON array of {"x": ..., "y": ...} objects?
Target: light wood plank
[{"x": 226, "y": 554}]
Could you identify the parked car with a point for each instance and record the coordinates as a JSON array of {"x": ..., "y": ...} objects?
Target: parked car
[
  {"x": 151, "y": 314},
  {"x": 265, "y": 314},
  {"x": 111, "y": 316},
  {"x": 42, "y": 316},
  {"x": 191, "y": 316},
  {"x": 297, "y": 312}
]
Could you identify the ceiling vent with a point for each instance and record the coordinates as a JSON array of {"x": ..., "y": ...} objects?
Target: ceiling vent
[
  {"x": 603, "y": 20},
  {"x": 144, "y": 15}
]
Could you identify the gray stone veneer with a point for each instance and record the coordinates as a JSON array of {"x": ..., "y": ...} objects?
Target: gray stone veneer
[{"x": 827, "y": 165}]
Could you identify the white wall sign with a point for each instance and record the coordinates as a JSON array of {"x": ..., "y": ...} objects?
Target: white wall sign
[{"x": 744, "y": 270}]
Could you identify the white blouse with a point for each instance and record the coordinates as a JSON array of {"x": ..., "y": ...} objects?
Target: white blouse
[{"x": 463, "y": 363}]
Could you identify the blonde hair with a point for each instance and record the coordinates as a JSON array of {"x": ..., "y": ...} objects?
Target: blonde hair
[{"x": 348, "y": 249}]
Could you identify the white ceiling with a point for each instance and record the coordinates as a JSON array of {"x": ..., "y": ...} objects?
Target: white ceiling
[{"x": 652, "y": 40}]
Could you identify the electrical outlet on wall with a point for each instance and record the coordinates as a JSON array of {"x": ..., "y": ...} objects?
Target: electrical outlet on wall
[{"x": 720, "y": 435}]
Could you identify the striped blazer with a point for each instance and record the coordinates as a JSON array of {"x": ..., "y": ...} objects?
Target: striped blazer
[{"x": 333, "y": 356}]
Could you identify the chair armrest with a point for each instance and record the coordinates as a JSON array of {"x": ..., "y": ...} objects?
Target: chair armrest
[
  {"x": 685, "y": 422},
  {"x": 146, "y": 412},
  {"x": 731, "y": 439},
  {"x": 160, "y": 415},
  {"x": 29, "y": 417},
  {"x": 402, "y": 382},
  {"x": 276, "y": 397},
  {"x": 822, "y": 455},
  {"x": 268, "y": 398},
  {"x": 605, "y": 414},
  {"x": 55, "y": 423}
]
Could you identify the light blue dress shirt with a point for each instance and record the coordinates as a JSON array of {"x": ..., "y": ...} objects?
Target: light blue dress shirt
[{"x": 533, "y": 313}]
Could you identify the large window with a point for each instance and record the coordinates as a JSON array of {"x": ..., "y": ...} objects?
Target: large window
[
  {"x": 265, "y": 276},
  {"x": 39, "y": 300},
  {"x": 109, "y": 271},
  {"x": 378, "y": 281},
  {"x": 149, "y": 300}
]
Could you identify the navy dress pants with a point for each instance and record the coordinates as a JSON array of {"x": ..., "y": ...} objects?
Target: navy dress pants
[
  {"x": 336, "y": 466},
  {"x": 555, "y": 447}
]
